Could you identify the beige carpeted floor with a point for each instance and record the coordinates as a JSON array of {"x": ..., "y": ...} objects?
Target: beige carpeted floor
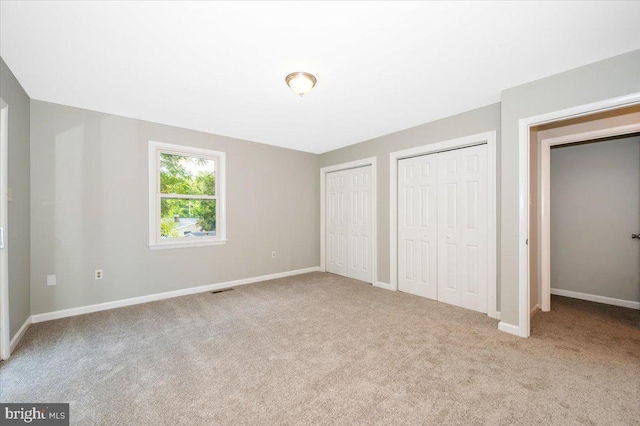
[{"x": 322, "y": 349}]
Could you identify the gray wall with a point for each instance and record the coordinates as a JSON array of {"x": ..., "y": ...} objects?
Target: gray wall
[
  {"x": 595, "y": 208},
  {"x": 18, "y": 233},
  {"x": 89, "y": 194},
  {"x": 477, "y": 121},
  {"x": 606, "y": 79}
]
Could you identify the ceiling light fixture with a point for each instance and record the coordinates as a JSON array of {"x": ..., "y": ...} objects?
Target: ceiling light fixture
[{"x": 301, "y": 82}]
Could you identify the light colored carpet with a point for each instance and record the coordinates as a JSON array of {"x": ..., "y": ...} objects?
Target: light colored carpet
[{"x": 322, "y": 349}]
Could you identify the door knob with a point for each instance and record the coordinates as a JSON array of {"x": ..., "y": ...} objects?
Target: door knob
[{"x": 635, "y": 236}]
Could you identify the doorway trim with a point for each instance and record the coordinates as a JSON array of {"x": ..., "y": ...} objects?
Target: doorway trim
[
  {"x": 545, "y": 196},
  {"x": 5, "y": 325},
  {"x": 524, "y": 144},
  {"x": 488, "y": 138},
  {"x": 371, "y": 161}
]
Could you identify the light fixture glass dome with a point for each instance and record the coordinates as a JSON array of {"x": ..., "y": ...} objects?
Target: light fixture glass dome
[{"x": 300, "y": 82}]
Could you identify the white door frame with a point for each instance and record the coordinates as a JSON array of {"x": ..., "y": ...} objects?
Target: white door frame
[
  {"x": 5, "y": 337},
  {"x": 525, "y": 124},
  {"x": 545, "y": 194},
  {"x": 488, "y": 138},
  {"x": 371, "y": 161}
]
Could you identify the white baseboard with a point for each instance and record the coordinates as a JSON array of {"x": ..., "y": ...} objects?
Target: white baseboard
[
  {"x": 166, "y": 295},
  {"x": 595, "y": 298},
  {"x": 534, "y": 310},
  {"x": 508, "y": 328},
  {"x": 18, "y": 336},
  {"x": 493, "y": 313},
  {"x": 382, "y": 285}
]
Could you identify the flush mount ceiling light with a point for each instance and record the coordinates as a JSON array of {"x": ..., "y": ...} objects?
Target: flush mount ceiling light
[{"x": 300, "y": 82}]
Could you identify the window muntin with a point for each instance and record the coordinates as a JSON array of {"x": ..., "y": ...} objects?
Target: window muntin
[{"x": 187, "y": 196}]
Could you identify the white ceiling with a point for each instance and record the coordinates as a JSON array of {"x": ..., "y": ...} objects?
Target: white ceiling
[{"x": 381, "y": 66}]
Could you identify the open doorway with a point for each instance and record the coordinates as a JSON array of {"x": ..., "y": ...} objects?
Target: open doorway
[{"x": 577, "y": 246}]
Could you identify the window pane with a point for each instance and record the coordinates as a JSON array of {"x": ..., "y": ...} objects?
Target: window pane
[
  {"x": 182, "y": 218},
  {"x": 187, "y": 175}
]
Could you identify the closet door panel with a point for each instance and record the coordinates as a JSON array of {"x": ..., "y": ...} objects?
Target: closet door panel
[
  {"x": 417, "y": 226},
  {"x": 462, "y": 227},
  {"x": 360, "y": 218},
  {"x": 336, "y": 224},
  {"x": 349, "y": 223}
]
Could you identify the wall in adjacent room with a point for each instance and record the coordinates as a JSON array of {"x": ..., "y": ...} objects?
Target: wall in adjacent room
[
  {"x": 89, "y": 181},
  {"x": 595, "y": 207},
  {"x": 17, "y": 234}
]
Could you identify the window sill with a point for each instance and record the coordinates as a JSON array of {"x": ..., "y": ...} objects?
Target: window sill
[{"x": 168, "y": 246}]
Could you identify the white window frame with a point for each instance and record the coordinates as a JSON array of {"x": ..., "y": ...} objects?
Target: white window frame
[{"x": 155, "y": 240}]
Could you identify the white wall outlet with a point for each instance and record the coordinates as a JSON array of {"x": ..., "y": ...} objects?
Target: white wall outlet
[
  {"x": 98, "y": 274},
  {"x": 273, "y": 254},
  {"x": 51, "y": 280}
]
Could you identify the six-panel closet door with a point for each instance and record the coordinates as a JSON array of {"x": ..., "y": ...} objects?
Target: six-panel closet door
[
  {"x": 418, "y": 226},
  {"x": 463, "y": 228},
  {"x": 349, "y": 223},
  {"x": 443, "y": 227}
]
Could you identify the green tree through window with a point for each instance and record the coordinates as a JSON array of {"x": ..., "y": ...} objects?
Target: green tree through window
[{"x": 186, "y": 176}]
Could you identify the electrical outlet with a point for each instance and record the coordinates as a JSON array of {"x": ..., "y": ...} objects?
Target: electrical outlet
[
  {"x": 51, "y": 280},
  {"x": 98, "y": 274},
  {"x": 273, "y": 254}
]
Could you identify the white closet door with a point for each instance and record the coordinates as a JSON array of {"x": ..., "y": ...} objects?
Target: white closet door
[
  {"x": 462, "y": 225},
  {"x": 418, "y": 226},
  {"x": 360, "y": 224},
  {"x": 349, "y": 223},
  {"x": 336, "y": 224}
]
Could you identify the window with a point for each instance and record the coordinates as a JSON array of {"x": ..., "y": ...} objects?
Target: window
[{"x": 186, "y": 196}]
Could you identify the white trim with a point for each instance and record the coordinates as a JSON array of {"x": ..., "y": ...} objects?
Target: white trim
[
  {"x": 545, "y": 225},
  {"x": 166, "y": 295},
  {"x": 188, "y": 243},
  {"x": 524, "y": 126},
  {"x": 509, "y": 328},
  {"x": 478, "y": 139},
  {"x": 523, "y": 235},
  {"x": 492, "y": 198},
  {"x": 382, "y": 285},
  {"x": 371, "y": 161},
  {"x": 18, "y": 336},
  {"x": 545, "y": 196},
  {"x": 595, "y": 298},
  {"x": 5, "y": 322},
  {"x": 155, "y": 242},
  {"x": 497, "y": 315}
]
